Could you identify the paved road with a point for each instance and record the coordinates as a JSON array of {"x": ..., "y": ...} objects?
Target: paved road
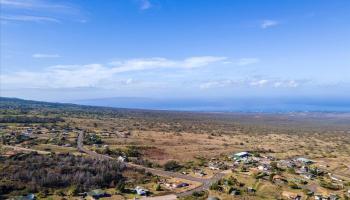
[
  {"x": 91, "y": 153},
  {"x": 205, "y": 183}
]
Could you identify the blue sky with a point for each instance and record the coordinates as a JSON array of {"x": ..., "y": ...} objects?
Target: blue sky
[{"x": 78, "y": 49}]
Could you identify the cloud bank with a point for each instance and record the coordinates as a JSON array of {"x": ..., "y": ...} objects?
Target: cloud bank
[
  {"x": 252, "y": 82},
  {"x": 41, "y": 55},
  {"x": 97, "y": 75}
]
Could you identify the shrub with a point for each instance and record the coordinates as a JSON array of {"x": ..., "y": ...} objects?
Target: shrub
[
  {"x": 172, "y": 165},
  {"x": 293, "y": 185},
  {"x": 291, "y": 170},
  {"x": 132, "y": 151},
  {"x": 329, "y": 185},
  {"x": 199, "y": 194},
  {"x": 259, "y": 175},
  {"x": 214, "y": 186}
]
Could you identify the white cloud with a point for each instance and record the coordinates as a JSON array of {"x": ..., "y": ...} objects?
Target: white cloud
[
  {"x": 286, "y": 83},
  {"x": 268, "y": 23},
  {"x": 145, "y": 4},
  {"x": 194, "y": 62},
  {"x": 15, "y": 3},
  {"x": 292, "y": 83},
  {"x": 141, "y": 64},
  {"x": 96, "y": 75},
  {"x": 252, "y": 82},
  {"x": 242, "y": 61},
  {"x": 247, "y": 61},
  {"x": 40, "y": 11},
  {"x": 33, "y": 4},
  {"x": 156, "y": 62},
  {"x": 259, "y": 83},
  {"x": 217, "y": 84},
  {"x": 40, "y": 55},
  {"x": 58, "y": 77},
  {"x": 29, "y": 18}
]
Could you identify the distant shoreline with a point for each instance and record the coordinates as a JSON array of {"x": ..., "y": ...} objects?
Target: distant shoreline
[{"x": 214, "y": 107}]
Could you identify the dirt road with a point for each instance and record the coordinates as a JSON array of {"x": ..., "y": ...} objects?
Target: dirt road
[{"x": 26, "y": 149}]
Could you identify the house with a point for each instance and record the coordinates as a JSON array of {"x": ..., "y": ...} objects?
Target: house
[
  {"x": 291, "y": 195},
  {"x": 251, "y": 190},
  {"x": 318, "y": 197},
  {"x": 235, "y": 192},
  {"x": 200, "y": 173},
  {"x": 96, "y": 194},
  {"x": 123, "y": 134},
  {"x": 333, "y": 197},
  {"x": 304, "y": 169},
  {"x": 215, "y": 165},
  {"x": 122, "y": 159},
  {"x": 321, "y": 197},
  {"x": 304, "y": 161},
  {"x": 309, "y": 176},
  {"x": 141, "y": 191},
  {"x": 240, "y": 155},
  {"x": 347, "y": 194},
  {"x": 264, "y": 167}
]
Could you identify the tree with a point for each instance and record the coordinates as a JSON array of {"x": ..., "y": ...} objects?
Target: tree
[
  {"x": 157, "y": 187},
  {"x": 274, "y": 165},
  {"x": 120, "y": 186},
  {"x": 132, "y": 151},
  {"x": 172, "y": 165}
]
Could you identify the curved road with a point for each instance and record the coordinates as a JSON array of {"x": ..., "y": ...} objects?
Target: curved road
[{"x": 205, "y": 183}]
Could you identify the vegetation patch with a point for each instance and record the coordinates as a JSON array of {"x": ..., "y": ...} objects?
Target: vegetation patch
[{"x": 33, "y": 173}]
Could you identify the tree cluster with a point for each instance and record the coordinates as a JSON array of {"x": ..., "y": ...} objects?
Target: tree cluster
[{"x": 33, "y": 172}]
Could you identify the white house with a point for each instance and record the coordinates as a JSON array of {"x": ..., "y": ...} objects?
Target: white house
[{"x": 141, "y": 191}]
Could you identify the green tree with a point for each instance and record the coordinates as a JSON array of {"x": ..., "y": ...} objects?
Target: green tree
[
  {"x": 157, "y": 187},
  {"x": 172, "y": 165},
  {"x": 120, "y": 187},
  {"x": 72, "y": 191}
]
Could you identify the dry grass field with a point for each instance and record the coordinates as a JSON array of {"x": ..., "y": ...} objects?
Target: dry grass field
[
  {"x": 188, "y": 141},
  {"x": 213, "y": 135}
]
